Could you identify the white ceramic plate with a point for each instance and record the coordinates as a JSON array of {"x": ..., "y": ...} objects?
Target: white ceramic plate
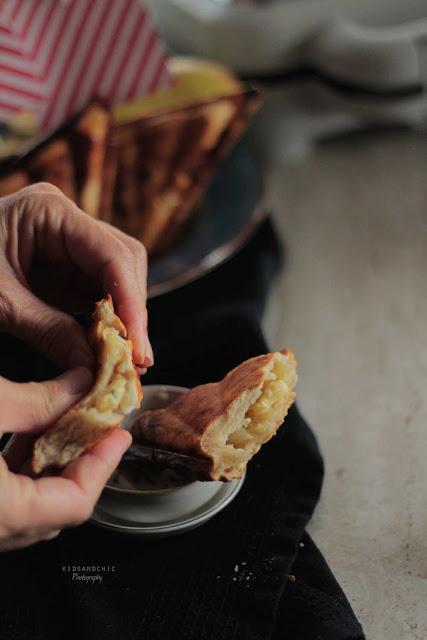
[
  {"x": 161, "y": 512},
  {"x": 224, "y": 494}
]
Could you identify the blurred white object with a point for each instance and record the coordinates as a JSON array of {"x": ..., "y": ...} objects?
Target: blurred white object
[
  {"x": 264, "y": 38},
  {"x": 250, "y": 39},
  {"x": 334, "y": 64}
]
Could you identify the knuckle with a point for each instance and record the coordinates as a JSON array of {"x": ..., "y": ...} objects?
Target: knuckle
[
  {"x": 137, "y": 248},
  {"x": 43, "y": 205},
  {"x": 28, "y": 190},
  {"x": 126, "y": 254},
  {"x": 141, "y": 251},
  {"x": 40, "y": 400},
  {"x": 36, "y": 190},
  {"x": 12, "y": 310},
  {"x": 8, "y": 311},
  {"x": 52, "y": 390},
  {"x": 51, "y": 201},
  {"x": 51, "y": 335},
  {"x": 45, "y": 187}
]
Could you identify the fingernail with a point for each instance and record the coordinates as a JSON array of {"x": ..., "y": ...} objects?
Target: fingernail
[
  {"x": 140, "y": 368},
  {"x": 80, "y": 357},
  {"x": 149, "y": 356},
  {"x": 77, "y": 381}
]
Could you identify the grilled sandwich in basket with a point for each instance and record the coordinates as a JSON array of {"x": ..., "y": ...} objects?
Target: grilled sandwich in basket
[
  {"x": 145, "y": 165},
  {"x": 72, "y": 158}
]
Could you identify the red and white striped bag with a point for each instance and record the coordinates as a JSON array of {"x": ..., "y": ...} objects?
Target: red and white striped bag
[{"x": 57, "y": 54}]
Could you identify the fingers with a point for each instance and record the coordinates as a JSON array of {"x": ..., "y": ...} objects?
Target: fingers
[
  {"x": 31, "y": 406},
  {"x": 122, "y": 268},
  {"x": 43, "y": 223},
  {"x": 141, "y": 260},
  {"x": 52, "y": 503},
  {"x": 91, "y": 471},
  {"x": 54, "y": 333},
  {"x": 11, "y": 538}
]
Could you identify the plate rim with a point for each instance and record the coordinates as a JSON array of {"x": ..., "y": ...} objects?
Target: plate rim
[
  {"x": 213, "y": 259},
  {"x": 257, "y": 212},
  {"x": 179, "y": 525}
]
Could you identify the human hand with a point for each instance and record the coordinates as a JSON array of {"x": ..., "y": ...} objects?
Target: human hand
[
  {"x": 33, "y": 510},
  {"x": 39, "y": 226},
  {"x": 47, "y": 243},
  {"x": 37, "y": 509}
]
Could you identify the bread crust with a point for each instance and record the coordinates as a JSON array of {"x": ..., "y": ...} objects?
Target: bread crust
[
  {"x": 86, "y": 423},
  {"x": 191, "y": 423}
]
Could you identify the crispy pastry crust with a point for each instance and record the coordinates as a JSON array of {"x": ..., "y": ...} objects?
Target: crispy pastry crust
[
  {"x": 116, "y": 392},
  {"x": 226, "y": 422}
]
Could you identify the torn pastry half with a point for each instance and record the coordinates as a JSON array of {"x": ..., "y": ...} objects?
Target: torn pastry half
[
  {"x": 227, "y": 422},
  {"x": 117, "y": 391}
]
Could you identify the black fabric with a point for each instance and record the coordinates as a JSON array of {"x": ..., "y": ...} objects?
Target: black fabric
[
  {"x": 228, "y": 579},
  {"x": 313, "y": 605}
]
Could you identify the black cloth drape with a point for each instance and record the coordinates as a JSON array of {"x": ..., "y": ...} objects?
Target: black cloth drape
[{"x": 230, "y": 578}]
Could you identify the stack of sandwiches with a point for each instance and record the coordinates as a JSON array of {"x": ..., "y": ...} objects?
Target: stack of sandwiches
[{"x": 143, "y": 166}]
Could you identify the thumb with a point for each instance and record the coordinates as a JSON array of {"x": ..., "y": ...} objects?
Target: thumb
[
  {"x": 34, "y": 406},
  {"x": 53, "y": 332}
]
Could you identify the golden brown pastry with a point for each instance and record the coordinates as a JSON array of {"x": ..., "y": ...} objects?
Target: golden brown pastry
[
  {"x": 226, "y": 422},
  {"x": 116, "y": 392}
]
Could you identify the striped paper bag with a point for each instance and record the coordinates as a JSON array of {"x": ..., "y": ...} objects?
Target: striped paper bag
[{"x": 57, "y": 54}]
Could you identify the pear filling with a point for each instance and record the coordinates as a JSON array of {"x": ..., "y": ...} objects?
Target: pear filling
[
  {"x": 252, "y": 420},
  {"x": 112, "y": 394}
]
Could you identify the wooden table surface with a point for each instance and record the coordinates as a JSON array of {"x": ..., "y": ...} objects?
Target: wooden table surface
[{"x": 352, "y": 304}]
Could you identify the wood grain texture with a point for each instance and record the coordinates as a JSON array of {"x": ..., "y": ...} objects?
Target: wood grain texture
[{"x": 352, "y": 304}]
